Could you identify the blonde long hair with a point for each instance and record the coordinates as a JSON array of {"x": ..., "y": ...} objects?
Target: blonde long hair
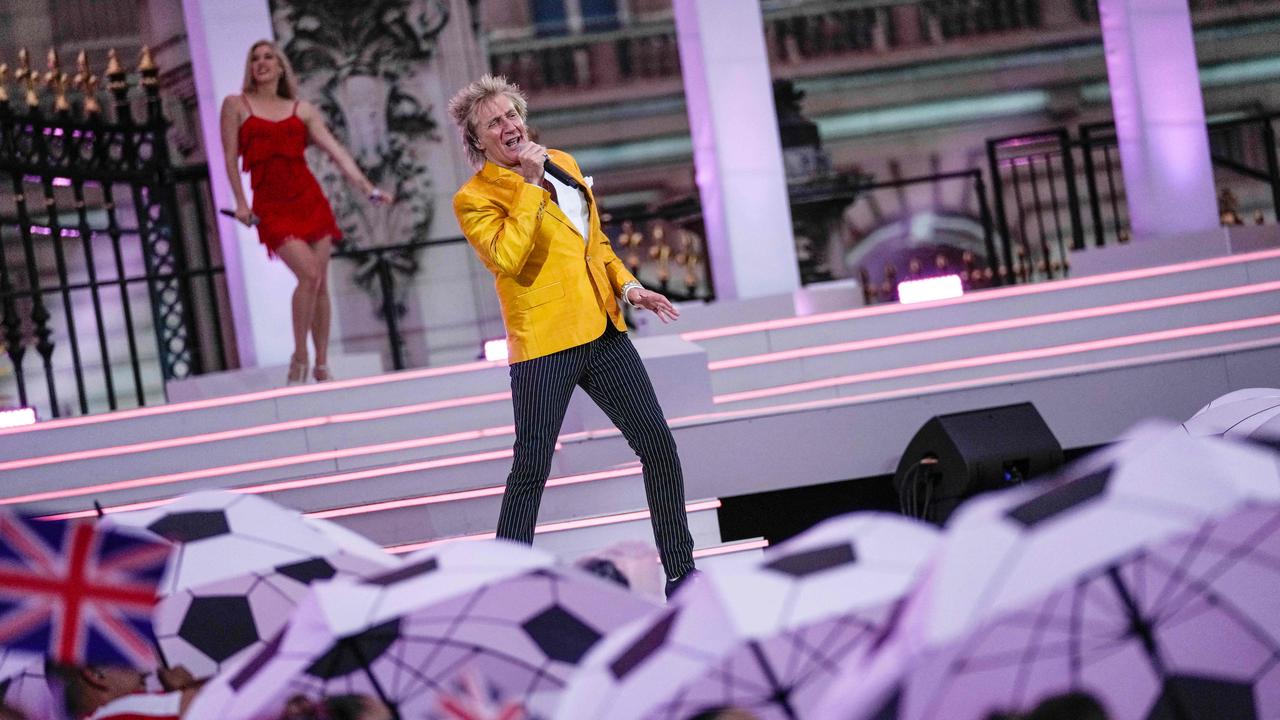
[{"x": 288, "y": 85}]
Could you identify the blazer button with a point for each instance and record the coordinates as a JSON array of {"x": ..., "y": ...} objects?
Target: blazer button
[{"x": 588, "y": 258}]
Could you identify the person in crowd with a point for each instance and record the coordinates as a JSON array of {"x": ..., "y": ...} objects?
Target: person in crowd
[
  {"x": 269, "y": 127},
  {"x": 1068, "y": 706},
  {"x": 558, "y": 283},
  {"x": 336, "y": 707},
  {"x": 726, "y": 713},
  {"x": 105, "y": 692},
  {"x": 638, "y": 562},
  {"x": 604, "y": 568}
]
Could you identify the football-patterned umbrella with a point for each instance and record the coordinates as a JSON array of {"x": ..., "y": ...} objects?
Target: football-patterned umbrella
[
  {"x": 765, "y": 638},
  {"x": 1143, "y": 576},
  {"x": 499, "y": 612},
  {"x": 23, "y": 686},
  {"x": 241, "y": 565},
  {"x": 1252, "y": 413}
]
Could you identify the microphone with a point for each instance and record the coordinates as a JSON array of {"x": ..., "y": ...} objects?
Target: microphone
[
  {"x": 560, "y": 174},
  {"x": 232, "y": 214}
]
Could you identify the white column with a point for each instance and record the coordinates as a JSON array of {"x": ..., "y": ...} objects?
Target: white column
[
  {"x": 219, "y": 33},
  {"x": 1159, "y": 113},
  {"x": 737, "y": 153}
]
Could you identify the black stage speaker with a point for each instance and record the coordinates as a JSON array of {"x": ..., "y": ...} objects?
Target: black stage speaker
[{"x": 956, "y": 456}]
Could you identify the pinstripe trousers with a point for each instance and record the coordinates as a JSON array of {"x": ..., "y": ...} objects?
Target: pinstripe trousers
[{"x": 610, "y": 371}]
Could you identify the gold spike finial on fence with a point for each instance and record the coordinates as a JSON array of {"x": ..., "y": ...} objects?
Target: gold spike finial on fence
[
  {"x": 113, "y": 63},
  {"x": 148, "y": 69},
  {"x": 54, "y": 66},
  {"x": 145, "y": 61},
  {"x": 88, "y": 84},
  {"x": 57, "y": 81},
  {"x": 117, "y": 78},
  {"x": 28, "y": 77},
  {"x": 4, "y": 82}
]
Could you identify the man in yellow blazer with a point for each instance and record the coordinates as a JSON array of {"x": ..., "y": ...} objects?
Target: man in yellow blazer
[{"x": 558, "y": 281}]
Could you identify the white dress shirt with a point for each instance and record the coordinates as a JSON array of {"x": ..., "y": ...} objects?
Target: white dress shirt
[{"x": 573, "y": 203}]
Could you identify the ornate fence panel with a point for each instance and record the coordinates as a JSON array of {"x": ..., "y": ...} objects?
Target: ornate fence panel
[
  {"x": 94, "y": 257},
  {"x": 1055, "y": 193},
  {"x": 1037, "y": 204}
]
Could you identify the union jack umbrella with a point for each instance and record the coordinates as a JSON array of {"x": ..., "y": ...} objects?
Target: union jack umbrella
[{"x": 78, "y": 593}]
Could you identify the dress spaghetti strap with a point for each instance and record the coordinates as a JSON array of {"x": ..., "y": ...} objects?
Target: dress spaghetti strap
[
  {"x": 247, "y": 106},
  {"x": 295, "y": 107}
]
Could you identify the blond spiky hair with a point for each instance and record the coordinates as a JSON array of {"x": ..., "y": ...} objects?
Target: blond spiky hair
[{"x": 464, "y": 103}]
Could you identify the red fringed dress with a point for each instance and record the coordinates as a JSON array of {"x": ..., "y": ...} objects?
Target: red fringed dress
[{"x": 286, "y": 197}]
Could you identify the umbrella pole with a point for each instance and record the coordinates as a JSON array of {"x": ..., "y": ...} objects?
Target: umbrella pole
[
  {"x": 373, "y": 680},
  {"x": 164, "y": 661},
  {"x": 780, "y": 695},
  {"x": 1141, "y": 627}
]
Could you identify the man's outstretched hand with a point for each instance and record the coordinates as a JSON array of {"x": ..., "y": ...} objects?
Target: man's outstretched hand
[{"x": 655, "y": 302}]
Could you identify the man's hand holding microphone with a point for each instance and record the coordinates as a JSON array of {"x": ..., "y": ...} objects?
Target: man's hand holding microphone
[{"x": 533, "y": 160}]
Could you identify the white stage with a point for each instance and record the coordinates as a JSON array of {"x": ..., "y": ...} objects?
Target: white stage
[{"x": 759, "y": 404}]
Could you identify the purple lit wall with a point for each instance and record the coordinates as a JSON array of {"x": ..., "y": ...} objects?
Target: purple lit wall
[
  {"x": 1159, "y": 112},
  {"x": 219, "y": 33},
  {"x": 737, "y": 153}
]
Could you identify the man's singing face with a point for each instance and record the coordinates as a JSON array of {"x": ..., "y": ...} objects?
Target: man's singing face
[{"x": 499, "y": 131}]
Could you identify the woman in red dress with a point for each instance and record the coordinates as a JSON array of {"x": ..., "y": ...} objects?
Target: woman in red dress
[{"x": 269, "y": 127}]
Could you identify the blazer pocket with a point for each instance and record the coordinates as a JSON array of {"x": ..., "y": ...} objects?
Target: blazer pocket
[{"x": 540, "y": 296}]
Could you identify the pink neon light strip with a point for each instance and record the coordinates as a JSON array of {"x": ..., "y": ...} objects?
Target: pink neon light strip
[
  {"x": 400, "y": 376},
  {"x": 980, "y": 382},
  {"x": 300, "y": 424},
  {"x": 731, "y": 548},
  {"x": 982, "y": 296},
  {"x": 259, "y": 465},
  {"x": 554, "y": 527},
  {"x": 995, "y": 326},
  {"x": 1016, "y": 356},
  {"x": 321, "y": 480},
  {"x": 466, "y": 494}
]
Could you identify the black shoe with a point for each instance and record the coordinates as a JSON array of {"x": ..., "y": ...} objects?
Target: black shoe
[{"x": 673, "y": 585}]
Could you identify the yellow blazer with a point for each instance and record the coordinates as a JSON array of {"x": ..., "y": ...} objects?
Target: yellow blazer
[{"x": 556, "y": 290}]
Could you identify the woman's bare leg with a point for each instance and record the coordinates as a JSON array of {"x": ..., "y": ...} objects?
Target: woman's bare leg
[
  {"x": 321, "y": 251},
  {"x": 298, "y": 258}
]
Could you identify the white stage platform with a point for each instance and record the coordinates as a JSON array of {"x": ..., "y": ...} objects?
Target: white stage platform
[{"x": 769, "y": 401}]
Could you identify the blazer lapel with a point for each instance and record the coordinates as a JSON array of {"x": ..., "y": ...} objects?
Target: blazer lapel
[
  {"x": 553, "y": 209},
  {"x": 509, "y": 178}
]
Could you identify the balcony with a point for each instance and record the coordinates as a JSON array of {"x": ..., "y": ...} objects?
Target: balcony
[{"x": 812, "y": 38}]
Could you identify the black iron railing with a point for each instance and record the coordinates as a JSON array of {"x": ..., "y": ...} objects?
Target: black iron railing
[
  {"x": 1055, "y": 192},
  {"x": 383, "y": 270},
  {"x": 98, "y": 277}
]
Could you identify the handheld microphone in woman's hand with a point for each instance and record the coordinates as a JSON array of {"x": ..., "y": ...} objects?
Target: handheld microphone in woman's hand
[{"x": 253, "y": 219}]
